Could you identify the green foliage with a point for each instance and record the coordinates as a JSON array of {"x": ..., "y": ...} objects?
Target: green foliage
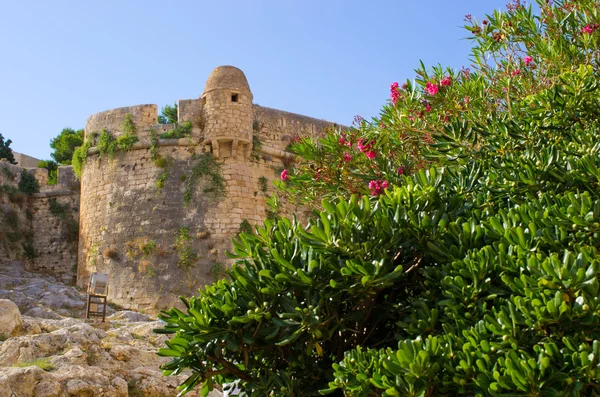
[
  {"x": 168, "y": 114},
  {"x": 70, "y": 226},
  {"x": 208, "y": 171},
  {"x": 245, "y": 227},
  {"x": 64, "y": 145},
  {"x": 107, "y": 144},
  {"x": 128, "y": 125},
  {"x": 262, "y": 182},
  {"x": 28, "y": 184},
  {"x": 182, "y": 130},
  {"x": 56, "y": 208},
  {"x": 52, "y": 167},
  {"x": 80, "y": 157},
  {"x": 474, "y": 271},
  {"x": 149, "y": 247},
  {"x": 43, "y": 363},
  {"x": 162, "y": 179},
  {"x": 218, "y": 270},
  {"x": 125, "y": 142},
  {"x": 161, "y": 162},
  {"x": 5, "y": 150},
  {"x": 151, "y": 272},
  {"x": 154, "y": 146},
  {"x": 186, "y": 255},
  {"x": 256, "y": 146}
]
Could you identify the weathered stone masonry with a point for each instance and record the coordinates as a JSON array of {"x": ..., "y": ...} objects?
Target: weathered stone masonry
[
  {"x": 153, "y": 245},
  {"x": 50, "y": 237}
]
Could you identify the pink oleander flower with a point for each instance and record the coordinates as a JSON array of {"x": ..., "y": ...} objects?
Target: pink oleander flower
[
  {"x": 347, "y": 157},
  {"x": 527, "y": 60},
  {"x": 427, "y": 106},
  {"x": 516, "y": 72},
  {"x": 431, "y": 88},
  {"x": 377, "y": 187},
  {"x": 588, "y": 29},
  {"x": 401, "y": 170},
  {"x": 284, "y": 175},
  {"x": 364, "y": 147},
  {"x": 394, "y": 94},
  {"x": 446, "y": 81},
  {"x": 343, "y": 140},
  {"x": 370, "y": 154}
]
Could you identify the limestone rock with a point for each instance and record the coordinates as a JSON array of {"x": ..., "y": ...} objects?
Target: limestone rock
[
  {"x": 113, "y": 359},
  {"x": 128, "y": 315},
  {"x": 10, "y": 319}
]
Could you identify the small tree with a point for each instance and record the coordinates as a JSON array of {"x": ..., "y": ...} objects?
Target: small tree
[
  {"x": 168, "y": 115},
  {"x": 6, "y": 151},
  {"x": 64, "y": 145},
  {"x": 52, "y": 167}
]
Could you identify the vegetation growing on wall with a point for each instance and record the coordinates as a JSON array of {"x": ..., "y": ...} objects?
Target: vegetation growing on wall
[
  {"x": 245, "y": 227},
  {"x": 263, "y": 184},
  {"x": 52, "y": 167},
  {"x": 107, "y": 144},
  {"x": 468, "y": 266},
  {"x": 186, "y": 255},
  {"x": 28, "y": 184},
  {"x": 70, "y": 225},
  {"x": 14, "y": 195},
  {"x": 80, "y": 157},
  {"x": 208, "y": 171},
  {"x": 182, "y": 130}
]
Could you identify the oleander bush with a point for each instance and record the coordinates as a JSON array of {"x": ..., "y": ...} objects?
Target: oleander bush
[{"x": 454, "y": 253}]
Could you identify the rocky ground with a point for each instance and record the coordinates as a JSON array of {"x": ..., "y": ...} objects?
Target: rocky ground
[{"x": 47, "y": 349}]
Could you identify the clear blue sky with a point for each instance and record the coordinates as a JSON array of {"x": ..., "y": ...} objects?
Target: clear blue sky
[{"x": 332, "y": 59}]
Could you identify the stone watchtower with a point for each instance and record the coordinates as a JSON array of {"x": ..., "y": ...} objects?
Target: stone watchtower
[
  {"x": 148, "y": 217},
  {"x": 227, "y": 104}
]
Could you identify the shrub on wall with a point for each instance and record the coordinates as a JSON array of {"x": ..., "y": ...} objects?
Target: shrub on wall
[
  {"x": 70, "y": 225},
  {"x": 182, "y": 130},
  {"x": 52, "y": 167},
  {"x": 107, "y": 144},
  {"x": 208, "y": 171},
  {"x": 474, "y": 271},
  {"x": 28, "y": 184},
  {"x": 80, "y": 157}
]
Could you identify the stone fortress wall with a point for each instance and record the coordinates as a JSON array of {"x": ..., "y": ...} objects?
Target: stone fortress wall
[
  {"x": 160, "y": 228},
  {"x": 40, "y": 229}
]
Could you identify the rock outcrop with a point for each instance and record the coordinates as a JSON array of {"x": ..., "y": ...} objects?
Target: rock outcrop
[
  {"x": 10, "y": 319},
  {"x": 55, "y": 354}
]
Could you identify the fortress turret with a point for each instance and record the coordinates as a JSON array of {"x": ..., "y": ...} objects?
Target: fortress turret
[{"x": 227, "y": 103}]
